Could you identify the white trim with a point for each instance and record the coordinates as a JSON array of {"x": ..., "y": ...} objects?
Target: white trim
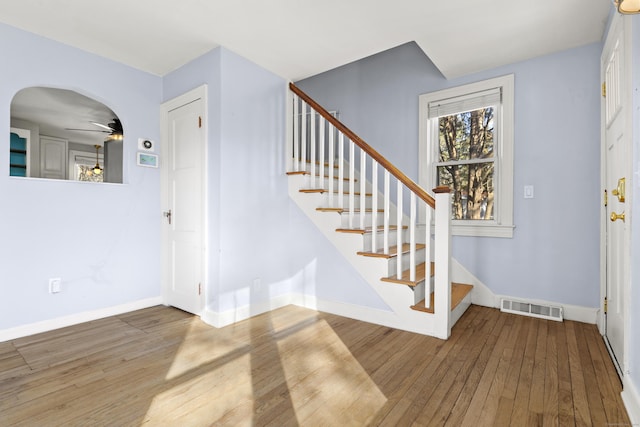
[
  {"x": 362, "y": 313},
  {"x": 288, "y": 142},
  {"x": 351, "y": 311},
  {"x": 502, "y": 226},
  {"x": 481, "y": 229},
  {"x": 358, "y": 312},
  {"x": 199, "y": 92},
  {"x": 238, "y": 314},
  {"x": 74, "y": 319},
  {"x": 631, "y": 400}
]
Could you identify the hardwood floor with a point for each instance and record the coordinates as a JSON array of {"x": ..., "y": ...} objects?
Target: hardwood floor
[{"x": 293, "y": 366}]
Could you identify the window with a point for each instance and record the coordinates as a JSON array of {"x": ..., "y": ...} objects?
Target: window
[
  {"x": 81, "y": 165},
  {"x": 466, "y": 144}
]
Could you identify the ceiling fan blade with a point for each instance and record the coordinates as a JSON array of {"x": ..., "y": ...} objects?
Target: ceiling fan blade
[
  {"x": 108, "y": 128},
  {"x": 88, "y": 130}
]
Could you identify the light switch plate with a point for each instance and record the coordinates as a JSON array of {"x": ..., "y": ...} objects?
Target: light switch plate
[{"x": 528, "y": 191}]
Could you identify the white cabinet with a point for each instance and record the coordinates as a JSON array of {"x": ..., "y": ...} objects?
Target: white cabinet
[{"x": 53, "y": 158}]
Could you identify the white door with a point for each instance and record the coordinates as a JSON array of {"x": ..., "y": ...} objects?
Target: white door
[
  {"x": 183, "y": 183},
  {"x": 53, "y": 158},
  {"x": 616, "y": 152}
]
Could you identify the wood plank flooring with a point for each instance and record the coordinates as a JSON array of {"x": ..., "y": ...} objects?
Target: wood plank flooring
[{"x": 294, "y": 366}]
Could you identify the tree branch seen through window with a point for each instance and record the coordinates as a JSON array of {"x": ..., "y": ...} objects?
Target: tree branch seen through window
[{"x": 467, "y": 163}]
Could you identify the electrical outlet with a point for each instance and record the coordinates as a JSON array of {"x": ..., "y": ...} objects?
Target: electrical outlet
[{"x": 54, "y": 285}]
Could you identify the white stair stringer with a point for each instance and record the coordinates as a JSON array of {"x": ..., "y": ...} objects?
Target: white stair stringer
[{"x": 398, "y": 297}]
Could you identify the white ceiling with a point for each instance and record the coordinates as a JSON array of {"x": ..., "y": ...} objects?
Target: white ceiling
[{"x": 300, "y": 38}]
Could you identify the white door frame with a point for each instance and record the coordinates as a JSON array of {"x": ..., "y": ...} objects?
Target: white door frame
[
  {"x": 617, "y": 21},
  {"x": 184, "y": 99}
]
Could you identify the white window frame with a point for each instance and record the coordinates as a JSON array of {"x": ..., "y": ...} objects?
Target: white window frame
[
  {"x": 81, "y": 158},
  {"x": 502, "y": 224}
]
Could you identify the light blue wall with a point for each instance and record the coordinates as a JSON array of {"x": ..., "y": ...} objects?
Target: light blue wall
[
  {"x": 102, "y": 240},
  {"x": 554, "y": 254},
  {"x": 255, "y": 230}
]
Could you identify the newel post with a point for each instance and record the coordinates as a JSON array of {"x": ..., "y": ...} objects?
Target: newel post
[{"x": 442, "y": 260}]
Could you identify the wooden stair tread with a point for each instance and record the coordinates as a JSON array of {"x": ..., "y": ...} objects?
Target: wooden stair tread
[
  {"x": 404, "y": 279},
  {"x": 367, "y": 229},
  {"x": 458, "y": 292},
  {"x": 324, "y": 190},
  {"x": 346, "y": 210},
  {"x": 393, "y": 251},
  {"x": 326, "y": 164},
  {"x": 318, "y": 176}
]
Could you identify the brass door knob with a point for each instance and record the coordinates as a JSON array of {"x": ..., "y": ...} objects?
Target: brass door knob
[{"x": 614, "y": 216}]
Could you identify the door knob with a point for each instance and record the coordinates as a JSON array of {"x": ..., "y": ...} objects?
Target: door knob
[
  {"x": 619, "y": 190},
  {"x": 614, "y": 216}
]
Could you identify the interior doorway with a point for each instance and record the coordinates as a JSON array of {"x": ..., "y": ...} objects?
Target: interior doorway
[
  {"x": 183, "y": 201},
  {"x": 616, "y": 176}
]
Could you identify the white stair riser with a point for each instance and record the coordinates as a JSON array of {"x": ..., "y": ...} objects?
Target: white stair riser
[
  {"x": 323, "y": 182},
  {"x": 419, "y": 292},
  {"x": 368, "y": 218},
  {"x": 393, "y": 262},
  {"x": 367, "y": 238},
  {"x": 368, "y": 201}
]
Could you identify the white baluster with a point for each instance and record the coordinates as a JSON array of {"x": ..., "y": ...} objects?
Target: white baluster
[
  {"x": 399, "y": 233},
  {"x": 385, "y": 232},
  {"x": 374, "y": 204},
  {"x": 296, "y": 133},
  {"x": 427, "y": 254},
  {"x": 331, "y": 163},
  {"x": 363, "y": 181},
  {"x": 412, "y": 238},
  {"x": 341, "y": 170},
  {"x": 352, "y": 185},
  {"x": 303, "y": 136},
  {"x": 312, "y": 129},
  {"x": 321, "y": 152}
]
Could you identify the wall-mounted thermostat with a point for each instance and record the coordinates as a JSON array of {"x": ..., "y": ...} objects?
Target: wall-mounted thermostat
[{"x": 146, "y": 145}]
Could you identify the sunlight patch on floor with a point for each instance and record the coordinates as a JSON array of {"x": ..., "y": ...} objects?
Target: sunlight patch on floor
[
  {"x": 229, "y": 382},
  {"x": 200, "y": 348},
  {"x": 257, "y": 371},
  {"x": 205, "y": 365},
  {"x": 321, "y": 372}
]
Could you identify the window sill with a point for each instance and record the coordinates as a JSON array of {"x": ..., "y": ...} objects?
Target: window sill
[{"x": 482, "y": 230}]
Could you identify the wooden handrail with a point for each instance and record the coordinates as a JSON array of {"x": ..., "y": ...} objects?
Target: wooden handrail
[{"x": 408, "y": 182}]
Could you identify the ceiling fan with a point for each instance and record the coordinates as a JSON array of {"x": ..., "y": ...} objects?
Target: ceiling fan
[{"x": 114, "y": 129}]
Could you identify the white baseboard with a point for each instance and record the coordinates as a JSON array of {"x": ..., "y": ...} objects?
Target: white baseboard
[
  {"x": 74, "y": 319},
  {"x": 230, "y": 317},
  {"x": 351, "y": 311},
  {"x": 631, "y": 400},
  {"x": 362, "y": 313}
]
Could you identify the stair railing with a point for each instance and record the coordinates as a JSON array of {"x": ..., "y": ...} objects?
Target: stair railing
[{"x": 314, "y": 153}]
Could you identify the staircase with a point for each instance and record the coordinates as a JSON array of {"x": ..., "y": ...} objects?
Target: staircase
[{"x": 359, "y": 200}]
